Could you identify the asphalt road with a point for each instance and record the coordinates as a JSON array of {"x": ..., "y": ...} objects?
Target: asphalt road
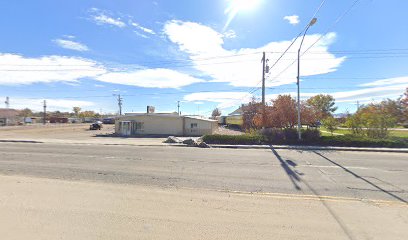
[
  {"x": 349, "y": 174},
  {"x": 372, "y": 189}
]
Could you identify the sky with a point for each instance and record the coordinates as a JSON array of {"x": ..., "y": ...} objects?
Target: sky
[{"x": 202, "y": 53}]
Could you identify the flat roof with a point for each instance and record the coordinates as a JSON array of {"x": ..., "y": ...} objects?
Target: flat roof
[{"x": 164, "y": 116}]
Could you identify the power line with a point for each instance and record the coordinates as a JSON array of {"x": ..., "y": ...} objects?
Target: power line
[
  {"x": 368, "y": 51},
  {"x": 146, "y": 62},
  {"x": 327, "y": 31},
  {"x": 360, "y": 51},
  {"x": 287, "y": 49},
  {"x": 405, "y": 55}
]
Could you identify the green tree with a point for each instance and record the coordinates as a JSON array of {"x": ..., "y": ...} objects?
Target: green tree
[
  {"x": 393, "y": 108},
  {"x": 375, "y": 120},
  {"x": 404, "y": 107},
  {"x": 323, "y": 104},
  {"x": 331, "y": 124},
  {"x": 76, "y": 110},
  {"x": 354, "y": 123},
  {"x": 26, "y": 112},
  {"x": 85, "y": 114}
]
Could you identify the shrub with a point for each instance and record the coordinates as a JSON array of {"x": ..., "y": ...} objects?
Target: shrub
[
  {"x": 372, "y": 120},
  {"x": 360, "y": 141},
  {"x": 280, "y": 136},
  {"x": 331, "y": 124},
  {"x": 355, "y": 124},
  {"x": 277, "y": 136},
  {"x": 311, "y": 135},
  {"x": 291, "y": 135},
  {"x": 273, "y": 135},
  {"x": 245, "y": 139}
]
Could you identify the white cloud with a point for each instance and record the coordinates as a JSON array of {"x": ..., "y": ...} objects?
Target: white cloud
[
  {"x": 16, "y": 69},
  {"x": 194, "y": 38},
  {"x": 70, "y": 44},
  {"x": 141, "y": 34},
  {"x": 52, "y": 104},
  {"x": 293, "y": 19},
  {"x": 144, "y": 29},
  {"x": 366, "y": 95},
  {"x": 243, "y": 70},
  {"x": 362, "y": 95},
  {"x": 389, "y": 81},
  {"x": 150, "y": 78},
  {"x": 224, "y": 99},
  {"x": 69, "y": 36},
  {"x": 392, "y": 91},
  {"x": 230, "y": 34},
  {"x": 102, "y": 19}
]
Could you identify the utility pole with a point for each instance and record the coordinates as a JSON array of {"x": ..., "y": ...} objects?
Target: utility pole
[
  {"x": 178, "y": 107},
  {"x": 7, "y": 102},
  {"x": 263, "y": 90},
  {"x": 358, "y": 105},
  {"x": 263, "y": 78},
  {"x": 45, "y": 112},
  {"x": 120, "y": 100}
]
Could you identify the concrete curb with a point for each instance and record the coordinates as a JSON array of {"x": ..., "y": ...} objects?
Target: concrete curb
[
  {"x": 360, "y": 149},
  {"x": 305, "y": 148}
]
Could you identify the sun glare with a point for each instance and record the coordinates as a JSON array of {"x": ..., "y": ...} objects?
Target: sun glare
[
  {"x": 244, "y": 5},
  {"x": 236, "y": 6}
]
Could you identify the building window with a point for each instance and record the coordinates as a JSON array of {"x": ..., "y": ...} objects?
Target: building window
[
  {"x": 137, "y": 127},
  {"x": 194, "y": 127}
]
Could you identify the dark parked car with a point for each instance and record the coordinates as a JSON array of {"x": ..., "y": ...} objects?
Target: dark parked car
[
  {"x": 95, "y": 126},
  {"x": 108, "y": 121}
]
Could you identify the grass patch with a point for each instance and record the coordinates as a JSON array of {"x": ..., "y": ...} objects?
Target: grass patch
[
  {"x": 399, "y": 134},
  {"x": 392, "y": 133}
]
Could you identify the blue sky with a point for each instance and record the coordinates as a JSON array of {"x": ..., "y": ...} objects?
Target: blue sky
[{"x": 204, "y": 53}]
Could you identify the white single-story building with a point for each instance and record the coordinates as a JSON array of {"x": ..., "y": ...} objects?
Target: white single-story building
[{"x": 163, "y": 124}]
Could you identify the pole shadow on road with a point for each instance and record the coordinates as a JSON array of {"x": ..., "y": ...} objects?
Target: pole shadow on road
[
  {"x": 361, "y": 178},
  {"x": 295, "y": 178}
]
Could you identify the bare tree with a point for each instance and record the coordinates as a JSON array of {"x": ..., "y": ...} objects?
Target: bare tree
[{"x": 216, "y": 113}]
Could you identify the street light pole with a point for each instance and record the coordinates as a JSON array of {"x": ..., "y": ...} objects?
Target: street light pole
[{"x": 312, "y": 22}]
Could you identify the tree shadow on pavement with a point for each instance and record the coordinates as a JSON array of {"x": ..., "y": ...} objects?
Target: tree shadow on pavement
[{"x": 362, "y": 178}]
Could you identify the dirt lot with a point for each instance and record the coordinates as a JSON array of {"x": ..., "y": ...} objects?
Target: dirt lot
[
  {"x": 54, "y": 131},
  {"x": 70, "y": 133},
  {"x": 79, "y": 133},
  {"x": 227, "y": 131}
]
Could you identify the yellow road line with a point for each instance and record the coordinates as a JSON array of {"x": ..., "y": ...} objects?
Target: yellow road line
[{"x": 303, "y": 196}]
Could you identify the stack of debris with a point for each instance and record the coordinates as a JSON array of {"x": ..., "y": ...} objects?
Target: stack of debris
[{"x": 191, "y": 142}]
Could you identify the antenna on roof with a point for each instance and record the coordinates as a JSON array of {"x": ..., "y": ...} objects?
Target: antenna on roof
[{"x": 7, "y": 102}]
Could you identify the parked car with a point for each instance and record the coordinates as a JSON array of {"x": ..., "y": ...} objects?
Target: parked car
[
  {"x": 95, "y": 126},
  {"x": 108, "y": 121}
]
